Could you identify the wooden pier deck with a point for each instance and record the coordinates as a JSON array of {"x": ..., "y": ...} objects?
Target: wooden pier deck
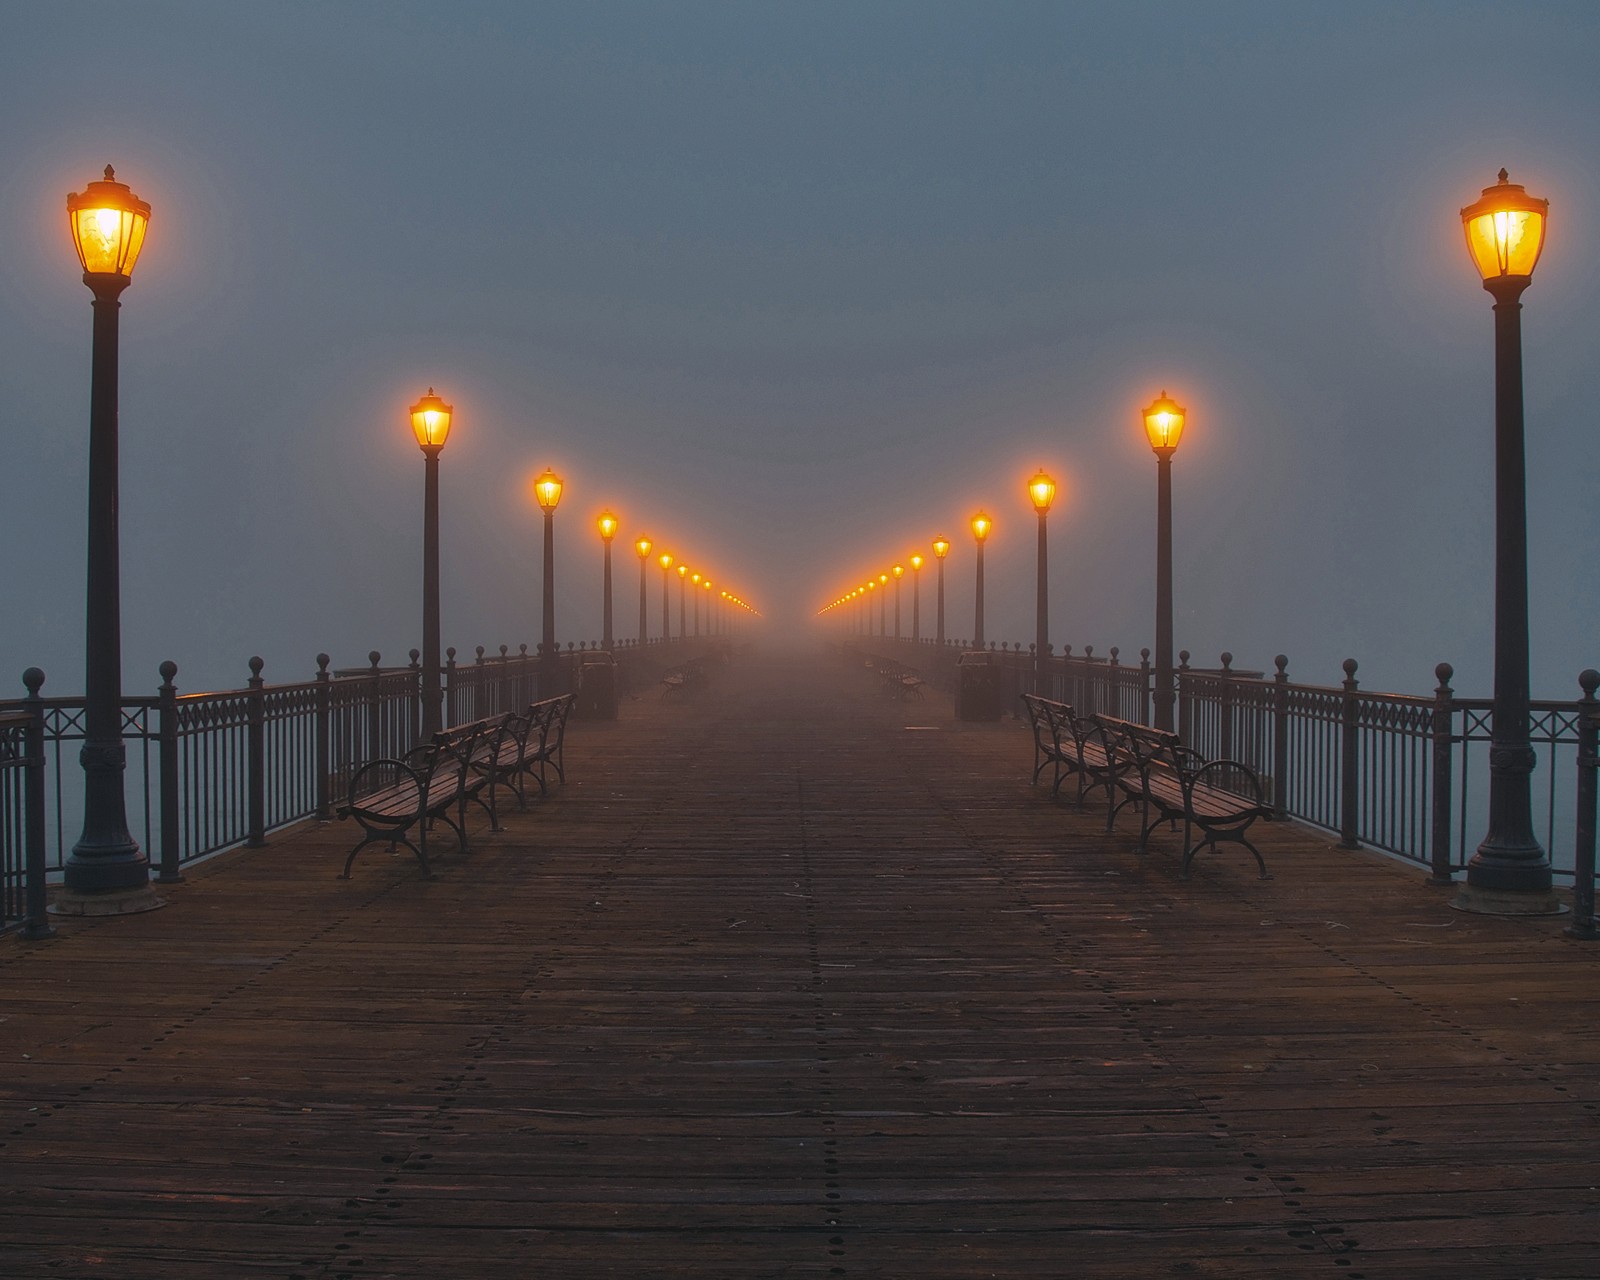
[{"x": 790, "y": 980}]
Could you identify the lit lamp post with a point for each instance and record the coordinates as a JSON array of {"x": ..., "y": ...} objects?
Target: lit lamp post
[
  {"x": 430, "y": 423},
  {"x": 108, "y": 225},
  {"x": 916, "y": 598},
  {"x": 1510, "y": 872},
  {"x": 1042, "y": 492},
  {"x": 710, "y": 629},
  {"x": 547, "y": 488},
  {"x": 941, "y": 548},
  {"x": 872, "y": 586},
  {"x": 666, "y": 596},
  {"x": 695, "y": 579},
  {"x": 899, "y": 572},
  {"x": 642, "y": 546},
  {"x": 883, "y": 605},
  {"x": 1163, "y": 425},
  {"x": 981, "y": 525},
  {"x": 683, "y": 613},
  {"x": 607, "y": 524}
]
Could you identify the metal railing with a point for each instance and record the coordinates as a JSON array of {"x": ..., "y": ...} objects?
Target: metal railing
[
  {"x": 208, "y": 771},
  {"x": 1405, "y": 774}
]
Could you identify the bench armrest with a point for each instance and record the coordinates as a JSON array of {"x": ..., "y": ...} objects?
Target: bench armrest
[{"x": 1231, "y": 770}]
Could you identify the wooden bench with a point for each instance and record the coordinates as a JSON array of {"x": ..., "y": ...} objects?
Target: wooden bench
[
  {"x": 1164, "y": 781},
  {"x": 545, "y": 743},
  {"x": 691, "y": 676},
  {"x": 435, "y": 782},
  {"x": 1070, "y": 744}
]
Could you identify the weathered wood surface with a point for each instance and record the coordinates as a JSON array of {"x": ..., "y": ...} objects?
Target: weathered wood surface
[{"x": 776, "y": 986}]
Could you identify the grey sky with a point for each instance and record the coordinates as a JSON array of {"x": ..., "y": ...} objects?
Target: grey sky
[{"x": 794, "y": 287}]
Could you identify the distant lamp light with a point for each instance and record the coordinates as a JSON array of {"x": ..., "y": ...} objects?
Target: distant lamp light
[
  {"x": 916, "y": 561},
  {"x": 547, "y": 489},
  {"x": 683, "y": 571},
  {"x": 108, "y": 223},
  {"x": 642, "y": 546},
  {"x": 899, "y": 571},
  {"x": 607, "y": 524},
  {"x": 1042, "y": 490},
  {"x": 1163, "y": 423},
  {"x": 941, "y": 547},
  {"x": 981, "y": 526},
  {"x": 666, "y": 560},
  {"x": 1505, "y": 230},
  {"x": 430, "y": 422}
]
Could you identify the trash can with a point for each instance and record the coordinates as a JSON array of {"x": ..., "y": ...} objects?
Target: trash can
[
  {"x": 978, "y": 685},
  {"x": 597, "y": 686}
]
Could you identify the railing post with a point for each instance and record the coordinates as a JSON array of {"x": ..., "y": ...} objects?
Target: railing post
[
  {"x": 1225, "y": 709},
  {"x": 450, "y": 717},
  {"x": 1349, "y": 761},
  {"x": 37, "y": 923},
  {"x": 322, "y": 749},
  {"x": 375, "y": 749},
  {"x": 1143, "y": 716},
  {"x": 415, "y": 735},
  {"x": 1185, "y": 698},
  {"x": 1444, "y": 720},
  {"x": 256, "y": 759},
  {"x": 167, "y": 779},
  {"x": 1280, "y": 737},
  {"x": 1583, "y": 923}
]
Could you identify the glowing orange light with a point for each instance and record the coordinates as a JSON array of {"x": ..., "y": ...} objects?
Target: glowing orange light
[
  {"x": 430, "y": 423},
  {"x": 981, "y": 526},
  {"x": 1042, "y": 490},
  {"x": 1163, "y": 423},
  {"x": 607, "y": 524},
  {"x": 642, "y": 546},
  {"x": 941, "y": 547},
  {"x": 1505, "y": 229},
  {"x": 547, "y": 489},
  {"x": 108, "y": 223},
  {"x": 666, "y": 561}
]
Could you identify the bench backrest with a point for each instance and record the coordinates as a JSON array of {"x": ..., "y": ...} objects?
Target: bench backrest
[{"x": 1138, "y": 747}]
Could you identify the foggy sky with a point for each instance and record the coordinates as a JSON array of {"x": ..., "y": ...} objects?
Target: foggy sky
[{"x": 794, "y": 288}]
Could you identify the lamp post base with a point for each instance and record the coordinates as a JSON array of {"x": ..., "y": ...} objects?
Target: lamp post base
[
  {"x": 111, "y": 902},
  {"x": 1508, "y": 902}
]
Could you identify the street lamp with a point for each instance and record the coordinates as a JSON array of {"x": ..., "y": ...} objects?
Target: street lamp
[
  {"x": 607, "y": 524},
  {"x": 695, "y": 579},
  {"x": 642, "y": 546},
  {"x": 1163, "y": 426},
  {"x": 683, "y": 615},
  {"x": 899, "y": 572},
  {"x": 883, "y": 605},
  {"x": 941, "y": 548},
  {"x": 666, "y": 601},
  {"x": 916, "y": 598},
  {"x": 981, "y": 526},
  {"x": 108, "y": 224},
  {"x": 547, "y": 489},
  {"x": 1042, "y": 492},
  {"x": 430, "y": 423},
  {"x": 1510, "y": 873},
  {"x": 710, "y": 630}
]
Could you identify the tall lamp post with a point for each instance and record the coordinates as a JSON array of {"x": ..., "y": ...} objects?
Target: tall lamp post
[
  {"x": 981, "y": 525},
  {"x": 899, "y": 572},
  {"x": 711, "y": 629},
  {"x": 108, "y": 225},
  {"x": 1042, "y": 492},
  {"x": 430, "y": 423},
  {"x": 1510, "y": 873},
  {"x": 941, "y": 548},
  {"x": 683, "y": 612},
  {"x": 694, "y": 578},
  {"x": 642, "y": 546},
  {"x": 916, "y": 598},
  {"x": 666, "y": 596},
  {"x": 607, "y": 524},
  {"x": 547, "y": 488},
  {"x": 1163, "y": 425},
  {"x": 883, "y": 605}
]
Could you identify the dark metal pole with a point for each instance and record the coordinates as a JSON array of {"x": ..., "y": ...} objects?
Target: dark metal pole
[
  {"x": 606, "y": 641},
  {"x": 666, "y": 603},
  {"x": 883, "y": 613},
  {"x": 977, "y": 619},
  {"x": 1042, "y": 622},
  {"x": 1510, "y": 859},
  {"x": 683, "y": 610},
  {"x": 916, "y": 603},
  {"x": 547, "y": 643},
  {"x": 939, "y": 634},
  {"x": 1163, "y": 699},
  {"x": 1583, "y": 922},
  {"x": 106, "y": 856},
  {"x": 897, "y": 608},
  {"x": 644, "y": 634},
  {"x": 432, "y": 691}
]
